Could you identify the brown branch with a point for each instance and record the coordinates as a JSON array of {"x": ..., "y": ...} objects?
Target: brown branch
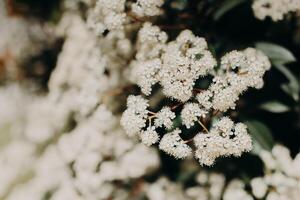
[
  {"x": 135, "y": 18},
  {"x": 189, "y": 140},
  {"x": 176, "y": 106},
  {"x": 198, "y": 90},
  {"x": 242, "y": 73}
]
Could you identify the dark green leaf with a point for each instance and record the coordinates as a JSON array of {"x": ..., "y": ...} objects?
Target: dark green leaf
[
  {"x": 293, "y": 87},
  {"x": 275, "y": 107},
  {"x": 225, "y": 7},
  {"x": 261, "y": 135},
  {"x": 288, "y": 89},
  {"x": 276, "y": 53}
]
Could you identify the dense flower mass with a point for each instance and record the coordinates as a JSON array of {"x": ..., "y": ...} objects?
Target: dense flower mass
[
  {"x": 282, "y": 174},
  {"x": 177, "y": 66},
  {"x": 276, "y": 9}
]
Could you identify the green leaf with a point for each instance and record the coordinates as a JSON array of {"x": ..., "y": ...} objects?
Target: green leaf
[
  {"x": 280, "y": 56},
  {"x": 275, "y": 107},
  {"x": 293, "y": 87},
  {"x": 289, "y": 90},
  {"x": 276, "y": 53},
  {"x": 225, "y": 7},
  {"x": 261, "y": 135}
]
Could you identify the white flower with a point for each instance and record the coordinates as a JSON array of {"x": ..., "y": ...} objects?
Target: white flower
[
  {"x": 259, "y": 187},
  {"x": 150, "y": 34},
  {"x": 149, "y": 136},
  {"x": 218, "y": 143},
  {"x": 147, "y": 74},
  {"x": 236, "y": 191},
  {"x": 276, "y": 9},
  {"x": 138, "y": 104},
  {"x": 124, "y": 47},
  {"x": 243, "y": 141},
  {"x": 138, "y": 162},
  {"x": 151, "y": 42},
  {"x": 114, "y": 21},
  {"x": 172, "y": 144},
  {"x": 134, "y": 118},
  {"x": 184, "y": 61},
  {"x": 204, "y": 99},
  {"x": 274, "y": 196},
  {"x": 147, "y": 7},
  {"x": 132, "y": 123},
  {"x": 164, "y": 118},
  {"x": 233, "y": 60},
  {"x": 225, "y": 99},
  {"x": 239, "y": 71},
  {"x": 225, "y": 125},
  {"x": 190, "y": 113},
  {"x": 209, "y": 147},
  {"x": 107, "y": 15},
  {"x": 268, "y": 160}
]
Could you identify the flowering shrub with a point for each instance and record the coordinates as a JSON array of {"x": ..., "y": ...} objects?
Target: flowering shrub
[
  {"x": 112, "y": 99},
  {"x": 176, "y": 66}
]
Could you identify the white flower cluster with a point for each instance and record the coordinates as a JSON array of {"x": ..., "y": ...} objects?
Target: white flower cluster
[
  {"x": 224, "y": 139},
  {"x": 209, "y": 186},
  {"x": 239, "y": 71},
  {"x": 164, "y": 118},
  {"x": 190, "y": 113},
  {"x": 172, "y": 144},
  {"x": 107, "y": 15},
  {"x": 276, "y": 9},
  {"x": 282, "y": 176},
  {"x": 235, "y": 190},
  {"x": 113, "y": 15},
  {"x": 147, "y": 7},
  {"x": 163, "y": 189},
  {"x": 176, "y": 66},
  {"x": 137, "y": 113}
]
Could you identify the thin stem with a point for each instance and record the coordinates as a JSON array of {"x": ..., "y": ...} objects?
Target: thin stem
[
  {"x": 135, "y": 18},
  {"x": 215, "y": 112},
  {"x": 152, "y": 113},
  {"x": 188, "y": 141},
  {"x": 203, "y": 126},
  {"x": 176, "y": 106},
  {"x": 242, "y": 73},
  {"x": 150, "y": 119}
]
